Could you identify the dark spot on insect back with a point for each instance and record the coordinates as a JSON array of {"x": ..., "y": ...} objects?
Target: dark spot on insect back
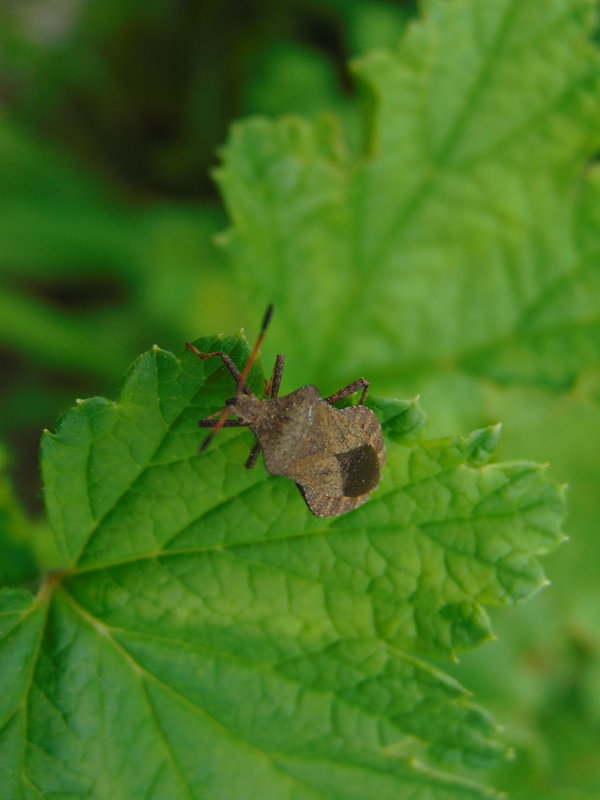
[{"x": 360, "y": 470}]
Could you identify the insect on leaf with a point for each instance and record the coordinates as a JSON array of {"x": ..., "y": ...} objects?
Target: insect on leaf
[{"x": 208, "y": 637}]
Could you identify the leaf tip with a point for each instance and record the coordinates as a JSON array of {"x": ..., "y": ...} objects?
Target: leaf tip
[
  {"x": 481, "y": 444},
  {"x": 401, "y": 420}
]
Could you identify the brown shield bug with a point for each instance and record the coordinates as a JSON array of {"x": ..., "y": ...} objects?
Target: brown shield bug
[{"x": 333, "y": 455}]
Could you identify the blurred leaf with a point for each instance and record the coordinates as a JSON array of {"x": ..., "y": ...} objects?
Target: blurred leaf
[
  {"x": 377, "y": 24},
  {"x": 59, "y": 235},
  {"x": 464, "y": 194},
  {"x": 185, "y": 277},
  {"x": 143, "y": 90},
  {"x": 293, "y": 79},
  {"x": 16, "y": 559},
  {"x": 289, "y": 77},
  {"x": 236, "y": 646},
  {"x": 83, "y": 279}
]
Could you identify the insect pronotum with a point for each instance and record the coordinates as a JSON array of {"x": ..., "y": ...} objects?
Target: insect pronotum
[{"x": 333, "y": 455}]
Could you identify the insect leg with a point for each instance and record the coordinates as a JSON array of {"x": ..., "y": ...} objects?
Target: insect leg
[
  {"x": 271, "y": 390},
  {"x": 227, "y": 361},
  {"x": 240, "y": 378},
  {"x": 253, "y": 456},
  {"x": 360, "y": 383},
  {"x": 229, "y": 423},
  {"x": 272, "y": 387}
]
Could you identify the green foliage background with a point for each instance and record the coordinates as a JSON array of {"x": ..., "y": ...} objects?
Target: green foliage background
[{"x": 428, "y": 219}]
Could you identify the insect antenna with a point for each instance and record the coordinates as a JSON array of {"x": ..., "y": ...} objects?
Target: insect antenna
[
  {"x": 256, "y": 348},
  {"x": 242, "y": 379}
]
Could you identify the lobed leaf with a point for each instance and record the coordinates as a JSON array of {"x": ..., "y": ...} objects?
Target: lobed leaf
[{"x": 207, "y": 637}]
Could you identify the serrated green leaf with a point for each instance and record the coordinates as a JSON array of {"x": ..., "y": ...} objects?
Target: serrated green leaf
[
  {"x": 208, "y": 637},
  {"x": 21, "y": 628}
]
